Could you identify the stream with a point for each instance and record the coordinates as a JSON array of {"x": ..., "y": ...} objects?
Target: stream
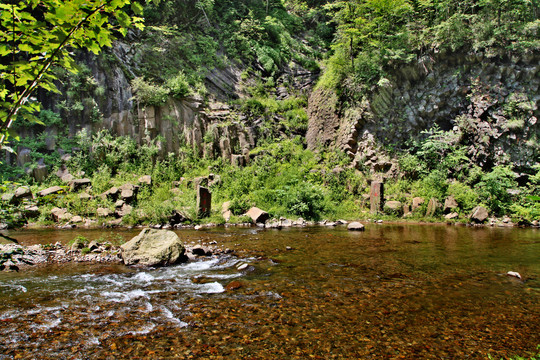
[{"x": 394, "y": 291}]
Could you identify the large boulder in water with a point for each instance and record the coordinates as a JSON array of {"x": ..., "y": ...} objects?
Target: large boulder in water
[
  {"x": 154, "y": 248},
  {"x": 355, "y": 226}
]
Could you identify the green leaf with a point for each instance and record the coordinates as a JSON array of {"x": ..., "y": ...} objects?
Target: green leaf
[
  {"x": 25, "y": 47},
  {"x": 136, "y": 8},
  {"x": 12, "y": 133},
  {"x": 123, "y": 19},
  {"x": 4, "y": 50}
]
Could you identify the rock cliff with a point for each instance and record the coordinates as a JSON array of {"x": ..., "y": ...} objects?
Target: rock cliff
[{"x": 491, "y": 102}]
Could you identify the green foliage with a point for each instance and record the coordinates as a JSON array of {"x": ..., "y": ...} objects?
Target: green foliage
[
  {"x": 179, "y": 86},
  {"x": 79, "y": 239},
  {"x": 494, "y": 186},
  {"x": 373, "y": 35},
  {"x": 49, "y": 118},
  {"x": 435, "y": 184},
  {"x": 240, "y": 205},
  {"x": 465, "y": 196},
  {"x": 81, "y": 90},
  {"x": 148, "y": 94},
  {"x": 34, "y": 38},
  {"x": 155, "y": 206}
]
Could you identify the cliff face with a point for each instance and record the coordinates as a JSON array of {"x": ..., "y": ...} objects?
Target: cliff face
[
  {"x": 490, "y": 102},
  {"x": 210, "y": 128}
]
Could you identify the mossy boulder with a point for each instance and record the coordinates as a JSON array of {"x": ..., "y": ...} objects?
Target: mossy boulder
[{"x": 393, "y": 208}]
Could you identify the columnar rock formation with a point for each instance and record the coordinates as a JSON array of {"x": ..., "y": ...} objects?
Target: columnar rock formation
[{"x": 490, "y": 101}]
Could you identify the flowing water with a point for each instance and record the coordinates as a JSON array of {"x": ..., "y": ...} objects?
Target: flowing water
[{"x": 391, "y": 292}]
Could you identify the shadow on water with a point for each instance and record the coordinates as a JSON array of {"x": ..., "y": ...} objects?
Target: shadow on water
[{"x": 393, "y": 291}]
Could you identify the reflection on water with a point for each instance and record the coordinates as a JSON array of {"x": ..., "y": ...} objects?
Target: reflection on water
[{"x": 393, "y": 291}]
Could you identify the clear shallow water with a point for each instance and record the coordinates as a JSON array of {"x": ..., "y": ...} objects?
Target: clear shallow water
[{"x": 393, "y": 291}]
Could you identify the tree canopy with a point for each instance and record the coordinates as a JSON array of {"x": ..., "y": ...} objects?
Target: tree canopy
[{"x": 36, "y": 35}]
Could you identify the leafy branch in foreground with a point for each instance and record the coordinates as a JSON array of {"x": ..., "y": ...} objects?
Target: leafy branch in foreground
[{"x": 38, "y": 34}]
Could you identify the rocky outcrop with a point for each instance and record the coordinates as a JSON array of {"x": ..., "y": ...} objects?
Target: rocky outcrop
[
  {"x": 153, "y": 248},
  {"x": 376, "y": 196},
  {"x": 323, "y": 117},
  {"x": 209, "y": 126},
  {"x": 490, "y": 101}
]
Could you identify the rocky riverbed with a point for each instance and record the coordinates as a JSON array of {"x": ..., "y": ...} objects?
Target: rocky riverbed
[{"x": 15, "y": 257}]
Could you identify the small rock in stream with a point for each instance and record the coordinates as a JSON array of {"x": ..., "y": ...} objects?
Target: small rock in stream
[
  {"x": 242, "y": 266},
  {"x": 234, "y": 285}
]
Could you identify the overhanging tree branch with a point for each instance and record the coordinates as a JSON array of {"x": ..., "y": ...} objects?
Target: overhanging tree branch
[{"x": 25, "y": 95}]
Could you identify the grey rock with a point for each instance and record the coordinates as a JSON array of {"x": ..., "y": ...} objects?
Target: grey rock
[
  {"x": 124, "y": 210},
  {"x": 77, "y": 219},
  {"x": 127, "y": 195},
  {"x": 433, "y": 207},
  {"x": 355, "y": 226},
  {"x": 112, "y": 193},
  {"x": 85, "y": 196},
  {"x": 93, "y": 246},
  {"x": 40, "y": 173},
  {"x": 177, "y": 217},
  {"x": 31, "y": 211},
  {"x": 393, "y": 207},
  {"x": 145, "y": 180},
  {"x": 416, "y": 203},
  {"x": 406, "y": 210},
  {"x": 257, "y": 215},
  {"x": 479, "y": 214},
  {"x": 238, "y": 160},
  {"x": 273, "y": 224},
  {"x": 78, "y": 184},
  {"x": 22, "y": 193},
  {"x": 450, "y": 204},
  {"x": 128, "y": 192},
  {"x": 153, "y": 248},
  {"x": 103, "y": 212},
  {"x": 286, "y": 223},
  {"x": 60, "y": 214},
  {"x": 23, "y": 157},
  {"x": 50, "y": 191},
  {"x": 200, "y": 250}
]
